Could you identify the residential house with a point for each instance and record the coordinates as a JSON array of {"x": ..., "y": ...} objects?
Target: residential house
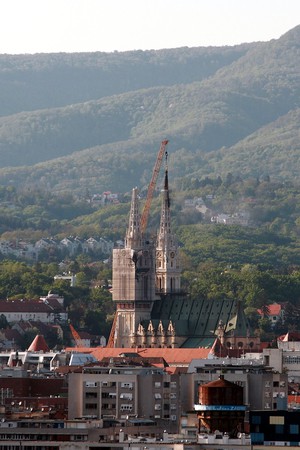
[
  {"x": 101, "y": 245},
  {"x": 18, "y": 249},
  {"x": 106, "y": 246},
  {"x": 46, "y": 244},
  {"x": 71, "y": 245},
  {"x": 241, "y": 218},
  {"x": 273, "y": 312}
]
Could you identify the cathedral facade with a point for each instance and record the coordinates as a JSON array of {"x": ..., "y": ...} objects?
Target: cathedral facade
[{"x": 143, "y": 272}]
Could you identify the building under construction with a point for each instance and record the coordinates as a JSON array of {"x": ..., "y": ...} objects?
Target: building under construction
[{"x": 151, "y": 308}]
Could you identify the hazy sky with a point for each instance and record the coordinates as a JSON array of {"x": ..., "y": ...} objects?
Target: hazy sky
[{"x": 31, "y": 26}]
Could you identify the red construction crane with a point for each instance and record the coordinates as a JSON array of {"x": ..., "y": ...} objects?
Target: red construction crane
[
  {"x": 145, "y": 213},
  {"x": 76, "y": 337},
  {"x": 144, "y": 221},
  {"x": 111, "y": 339}
]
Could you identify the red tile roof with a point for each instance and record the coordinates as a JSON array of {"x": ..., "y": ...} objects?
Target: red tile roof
[
  {"x": 17, "y": 305},
  {"x": 290, "y": 336},
  {"x": 170, "y": 355},
  {"x": 274, "y": 310},
  {"x": 38, "y": 344}
]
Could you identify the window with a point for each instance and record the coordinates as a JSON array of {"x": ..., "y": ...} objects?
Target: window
[
  {"x": 279, "y": 429},
  {"x": 79, "y": 437},
  {"x": 294, "y": 428},
  {"x": 257, "y": 438},
  {"x": 90, "y": 384},
  {"x": 126, "y": 408},
  {"x": 91, "y": 395},
  {"x": 126, "y": 396},
  {"x": 256, "y": 420},
  {"x": 157, "y": 396},
  {"x": 108, "y": 383},
  {"x": 291, "y": 359},
  {"x": 126, "y": 385},
  {"x": 276, "y": 420},
  {"x": 157, "y": 384},
  {"x": 91, "y": 406}
]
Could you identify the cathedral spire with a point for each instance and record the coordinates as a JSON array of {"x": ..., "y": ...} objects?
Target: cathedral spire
[
  {"x": 165, "y": 218},
  {"x": 133, "y": 234},
  {"x": 167, "y": 258}
]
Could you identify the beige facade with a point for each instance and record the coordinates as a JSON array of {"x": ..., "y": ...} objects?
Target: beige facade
[
  {"x": 125, "y": 392},
  {"x": 143, "y": 271}
]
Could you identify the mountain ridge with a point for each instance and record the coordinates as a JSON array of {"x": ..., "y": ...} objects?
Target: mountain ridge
[{"x": 213, "y": 122}]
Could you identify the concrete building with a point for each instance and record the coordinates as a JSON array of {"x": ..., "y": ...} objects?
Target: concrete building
[
  {"x": 275, "y": 429},
  {"x": 125, "y": 392},
  {"x": 264, "y": 388}
]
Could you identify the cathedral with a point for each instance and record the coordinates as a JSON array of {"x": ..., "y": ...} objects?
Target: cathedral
[{"x": 151, "y": 308}]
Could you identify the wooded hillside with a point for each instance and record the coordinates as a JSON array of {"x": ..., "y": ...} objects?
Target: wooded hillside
[{"x": 95, "y": 121}]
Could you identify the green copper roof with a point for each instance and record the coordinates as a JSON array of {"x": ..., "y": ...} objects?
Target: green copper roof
[{"x": 199, "y": 318}]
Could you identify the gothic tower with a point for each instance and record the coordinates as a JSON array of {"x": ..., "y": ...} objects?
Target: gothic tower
[
  {"x": 133, "y": 279},
  {"x": 167, "y": 256}
]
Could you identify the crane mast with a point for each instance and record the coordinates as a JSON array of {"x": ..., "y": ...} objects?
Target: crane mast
[
  {"x": 111, "y": 339},
  {"x": 76, "y": 337},
  {"x": 145, "y": 213},
  {"x": 144, "y": 221}
]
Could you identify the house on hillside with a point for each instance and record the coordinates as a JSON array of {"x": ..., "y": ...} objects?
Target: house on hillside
[
  {"x": 273, "y": 312},
  {"x": 19, "y": 249},
  {"x": 71, "y": 245},
  {"x": 46, "y": 244},
  {"x": 240, "y": 218}
]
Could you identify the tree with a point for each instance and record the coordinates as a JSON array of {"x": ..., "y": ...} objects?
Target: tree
[{"x": 3, "y": 322}]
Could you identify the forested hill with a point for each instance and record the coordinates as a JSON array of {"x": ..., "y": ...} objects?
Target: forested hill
[
  {"x": 78, "y": 121},
  {"x": 42, "y": 81}
]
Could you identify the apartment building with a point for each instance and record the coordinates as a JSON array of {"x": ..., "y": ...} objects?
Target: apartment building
[
  {"x": 264, "y": 387},
  {"x": 125, "y": 392}
]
